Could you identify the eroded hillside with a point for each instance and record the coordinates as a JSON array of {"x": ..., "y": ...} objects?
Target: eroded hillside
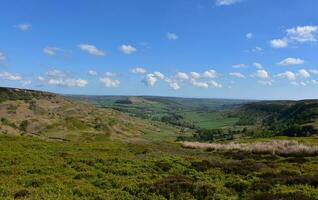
[{"x": 51, "y": 116}]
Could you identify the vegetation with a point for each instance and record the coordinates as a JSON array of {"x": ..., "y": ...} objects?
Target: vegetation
[{"x": 56, "y": 148}]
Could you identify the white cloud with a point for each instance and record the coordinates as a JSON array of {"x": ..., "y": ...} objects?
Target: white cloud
[
  {"x": 210, "y": 74},
  {"x": 315, "y": 82},
  {"x": 262, "y": 74},
  {"x": 174, "y": 85},
  {"x": 150, "y": 80},
  {"x": 257, "y": 49},
  {"x": 10, "y": 77},
  {"x": 258, "y": 65},
  {"x": 172, "y": 36},
  {"x": 299, "y": 34},
  {"x": 288, "y": 75},
  {"x": 266, "y": 82},
  {"x": 314, "y": 71},
  {"x": 68, "y": 82},
  {"x": 195, "y": 75},
  {"x": 109, "y": 82},
  {"x": 215, "y": 84},
  {"x": 110, "y": 74},
  {"x": 303, "y": 33},
  {"x": 23, "y": 27},
  {"x": 41, "y": 78},
  {"x": 51, "y": 51},
  {"x": 226, "y": 2},
  {"x": 25, "y": 83},
  {"x": 92, "y": 73},
  {"x": 237, "y": 75},
  {"x": 2, "y": 57},
  {"x": 303, "y": 73},
  {"x": 182, "y": 76},
  {"x": 291, "y": 61},
  {"x": 279, "y": 43},
  {"x": 249, "y": 35},
  {"x": 159, "y": 75},
  {"x": 238, "y": 66},
  {"x": 127, "y": 49},
  {"x": 199, "y": 84},
  {"x": 56, "y": 73},
  {"x": 91, "y": 49},
  {"x": 139, "y": 70}
]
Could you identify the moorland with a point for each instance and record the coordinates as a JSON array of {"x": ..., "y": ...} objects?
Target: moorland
[{"x": 142, "y": 147}]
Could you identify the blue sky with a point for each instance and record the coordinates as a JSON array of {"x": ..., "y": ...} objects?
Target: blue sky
[{"x": 247, "y": 49}]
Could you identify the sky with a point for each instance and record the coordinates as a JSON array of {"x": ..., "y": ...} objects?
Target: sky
[{"x": 238, "y": 49}]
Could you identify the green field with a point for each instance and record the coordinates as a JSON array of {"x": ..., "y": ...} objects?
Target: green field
[{"x": 210, "y": 120}]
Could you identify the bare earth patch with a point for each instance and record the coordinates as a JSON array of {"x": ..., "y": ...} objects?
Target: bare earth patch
[{"x": 279, "y": 147}]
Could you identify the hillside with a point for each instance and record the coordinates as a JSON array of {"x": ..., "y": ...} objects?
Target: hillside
[{"x": 50, "y": 116}]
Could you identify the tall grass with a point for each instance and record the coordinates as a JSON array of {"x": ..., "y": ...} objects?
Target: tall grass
[{"x": 279, "y": 147}]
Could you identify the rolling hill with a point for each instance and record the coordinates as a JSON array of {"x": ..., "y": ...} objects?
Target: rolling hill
[{"x": 54, "y": 117}]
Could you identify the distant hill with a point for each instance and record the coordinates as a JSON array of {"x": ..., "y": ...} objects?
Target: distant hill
[
  {"x": 281, "y": 117},
  {"x": 54, "y": 117}
]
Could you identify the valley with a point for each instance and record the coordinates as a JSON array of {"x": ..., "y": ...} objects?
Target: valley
[{"x": 97, "y": 147}]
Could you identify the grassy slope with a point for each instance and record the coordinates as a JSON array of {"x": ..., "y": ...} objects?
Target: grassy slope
[{"x": 50, "y": 116}]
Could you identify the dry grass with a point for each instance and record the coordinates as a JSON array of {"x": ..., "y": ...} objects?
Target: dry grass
[{"x": 279, "y": 147}]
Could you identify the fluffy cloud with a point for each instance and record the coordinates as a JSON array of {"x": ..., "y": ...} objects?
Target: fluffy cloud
[
  {"x": 258, "y": 65},
  {"x": 288, "y": 75},
  {"x": 249, "y": 35},
  {"x": 40, "y": 78},
  {"x": 215, "y": 84},
  {"x": 303, "y": 33},
  {"x": 226, "y": 2},
  {"x": 92, "y": 73},
  {"x": 2, "y": 57},
  {"x": 172, "y": 36},
  {"x": 24, "y": 26},
  {"x": 56, "y": 73},
  {"x": 314, "y": 71},
  {"x": 91, "y": 49},
  {"x": 299, "y": 34},
  {"x": 110, "y": 74},
  {"x": 150, "y": 80},
  {"x": 237, "y": 75},
  {"x": 174, "y": 85},
  {"x": 303, "y": 73},
  {"x": 68, "y": 82},
  {"x": 10, "y": 77},
  {"x": 199, "y": 84},
  {"x": 51, "y": 51},
  {"x": 195, "y": 75},
  {"x": 127, "y": 49},
  {"x": 279, "y": 43},
  {"x": 210, "y": 74},
  {"x": 266, "y": 82},
  {"x": 291, "y": 61},
  {"x": 262, "y": 74},
  {"x": 182, "y": 76},
  {"x": 109, "y": 82},
  {"x": 139, "y": 70},
  {"x": 238, "y": 66},
  {"x": 159, "y": 75}
]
